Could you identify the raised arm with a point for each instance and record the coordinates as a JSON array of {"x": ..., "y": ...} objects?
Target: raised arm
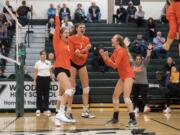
[
  {"x": 149, "y": 51},
  {"x": 56, "y": 36}
]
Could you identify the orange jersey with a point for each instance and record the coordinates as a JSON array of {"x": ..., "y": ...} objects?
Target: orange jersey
[
  {"x": 62, "y": 49},
  {"x": 120, "y": 61},
  {"x": 173, "y": 16},
  {"x": 77, "y": 42}
]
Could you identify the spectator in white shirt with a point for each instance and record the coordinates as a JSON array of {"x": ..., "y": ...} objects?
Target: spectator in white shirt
[
  {"x": 139, "y": 16},
  {"x": 42, "y": 79},
  {"x": 67, "y": 24},
  {"x": 158, "y": 42}
]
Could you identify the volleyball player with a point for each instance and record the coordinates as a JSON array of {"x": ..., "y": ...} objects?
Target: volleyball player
[
  {"x": 173, "y": 16},
  {"x": 80, "y": 46},
  {"x": 62, "y": 68},
  {"x": 120, "y": 61}
]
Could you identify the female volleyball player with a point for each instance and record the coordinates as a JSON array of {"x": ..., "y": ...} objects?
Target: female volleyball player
[
  {"x": 120, "y": 60},
  {"x": 62, "y": 67},
  {"x": 173, "y": 16},
  {"x": 80, "y": 46}
]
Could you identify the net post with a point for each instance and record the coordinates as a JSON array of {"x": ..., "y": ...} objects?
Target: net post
[{"x": 20, "y": 81}]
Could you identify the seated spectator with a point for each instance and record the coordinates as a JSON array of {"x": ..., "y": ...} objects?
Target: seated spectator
[
  {"x": 67, "y": 24},
  {"x": 139, "y": 45},
  {"x": 97, "y": 61},
  {"x": 4, "y": 46},
  {"x": 94, "y": 13},
  {"x": 79, "y": 14},
  {"x": 65, "y": 11},
  {"x": 173, "y": 88},
  {"x": 9, "y": 6},
  {"x": 139, "y": 16},
  {"x": 51, "y": 12},
  {"x": 131, "y": 10},
  {"x": 150, "y": 32},
  {"x": 3, "y": 19},
  {"x": 167, "y": 69},
  {"x": 120, "y": 16},
  {"x": 163, "y": 18},
  {"x": 22, "y": 12},
  {"x": 158, "y": 42},
  {"x": 51, "y": 28},
  {"x": 2, "y": 73},
  {"x": 51, "y": 58}
]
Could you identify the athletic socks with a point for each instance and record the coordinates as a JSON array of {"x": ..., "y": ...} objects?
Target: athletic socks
[
  {"x": 86, "y": 108},
  {"x": 62, "y": 109}
]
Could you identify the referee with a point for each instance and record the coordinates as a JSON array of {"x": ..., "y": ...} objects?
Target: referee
[{"x": 42, "y": 79}]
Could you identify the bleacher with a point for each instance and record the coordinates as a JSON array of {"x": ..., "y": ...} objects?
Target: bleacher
[{"x": 102, "y": 84}]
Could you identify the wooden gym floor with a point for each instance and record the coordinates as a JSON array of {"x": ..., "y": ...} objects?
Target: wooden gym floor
[{"x": 158, "y": 123}]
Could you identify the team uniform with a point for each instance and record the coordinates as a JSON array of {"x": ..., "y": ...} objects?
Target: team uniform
[
  {"x": 62, "y": 52},
  {"x": 120, "y": 61},
  {"x": 173, "y": 16},
  {"x": 77, "y": 42},
  {"x": 80, "y": 43},
  {"x": 62, "y": 64}
]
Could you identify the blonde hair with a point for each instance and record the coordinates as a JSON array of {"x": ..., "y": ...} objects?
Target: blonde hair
[{"x": 123, "y": 45}]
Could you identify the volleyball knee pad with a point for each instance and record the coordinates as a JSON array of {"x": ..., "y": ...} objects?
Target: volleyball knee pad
[
  {"x": 74, "y": 91},
  {"x": 116, "y": 100},
  {"x": 86, "y": 90},
  {"x": 69, "y": 92},
  {"x": 127, "y": 100}
]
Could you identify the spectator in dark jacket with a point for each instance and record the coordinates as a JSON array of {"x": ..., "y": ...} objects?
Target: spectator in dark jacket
[
  {"x": 131, "y": 10},
  {"x": 79, "y": 14},
  {"x": 9, "y": 6},
  {"x": 150, "y": 32},
  {"x": 65, "y": 11},
  {"x": 167, "y": 69},
  {"x": 22, "y": 12},
  {"x": 94, "y": 13},
  {"x": 139, "y": 45},
  {"x": 120, "y": 15}
]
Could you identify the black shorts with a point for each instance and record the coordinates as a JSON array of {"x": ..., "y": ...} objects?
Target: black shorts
[
  {"x": 60, "y": 70},
  {"x": 77, "y": 66}
]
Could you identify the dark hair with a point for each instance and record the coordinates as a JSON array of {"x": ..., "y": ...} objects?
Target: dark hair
[
  {"x": 74, "y": 31},
  {"x": 139, "y": 33},
  {"x": 150, "y": 18},
  {"x": 139, "y": 55},
  {"x": 23, "y": 2},
  {"x": 176, "y": 0},
  {"x": 41, "y": 52}
]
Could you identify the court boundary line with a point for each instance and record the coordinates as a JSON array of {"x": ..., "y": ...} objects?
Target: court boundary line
[
  {"x": 178, "y": 129},
  {"x": 7, "y": 125}
]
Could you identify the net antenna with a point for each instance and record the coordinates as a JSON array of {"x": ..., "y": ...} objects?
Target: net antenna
[{"x": 18, "y": 26}]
